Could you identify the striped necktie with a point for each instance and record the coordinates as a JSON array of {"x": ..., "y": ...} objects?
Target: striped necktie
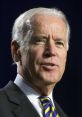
[{"x": 48, "y": 108}]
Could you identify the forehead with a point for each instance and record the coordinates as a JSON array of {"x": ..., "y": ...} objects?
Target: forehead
[
  {"x": 48, "y": 23},
  {"x": 45, "y": 18},
  {"x": 39, "y": 17}
]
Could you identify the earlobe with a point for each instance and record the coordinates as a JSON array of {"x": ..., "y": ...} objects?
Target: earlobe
[{"x": 15, "y": 51}]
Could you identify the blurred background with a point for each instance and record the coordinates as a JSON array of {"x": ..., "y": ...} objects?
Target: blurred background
[{"x": 68, "y": 92}]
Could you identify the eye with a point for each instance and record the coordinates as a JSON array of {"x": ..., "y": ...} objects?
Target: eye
[
  {"x": 59, "y": 43},
  {"x": 38, "y": 40}
]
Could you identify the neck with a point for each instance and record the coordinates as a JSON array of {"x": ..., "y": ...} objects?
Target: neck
[
  {"x": 41, "y": 87},
  {"x": 44, "y": 90}
]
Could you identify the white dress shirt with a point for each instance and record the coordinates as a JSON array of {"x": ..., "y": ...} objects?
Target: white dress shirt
[{"x": 31, "y": 94}]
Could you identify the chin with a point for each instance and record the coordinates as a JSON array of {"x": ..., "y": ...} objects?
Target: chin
[{"x": 50, "y": 80}]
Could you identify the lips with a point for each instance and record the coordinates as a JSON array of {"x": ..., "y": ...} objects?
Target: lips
[{"x": 49, "y": 66}]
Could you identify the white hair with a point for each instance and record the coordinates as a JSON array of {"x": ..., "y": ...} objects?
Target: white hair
[{"x": 21, "y": 31}]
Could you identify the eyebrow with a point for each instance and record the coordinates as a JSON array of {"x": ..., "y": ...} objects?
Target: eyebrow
[
  {"x": 41, "y": 35},
  {"x": 59, "y": 39}
]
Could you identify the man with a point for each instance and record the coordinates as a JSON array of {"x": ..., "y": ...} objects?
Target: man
[{"x": 40, "y": 41}]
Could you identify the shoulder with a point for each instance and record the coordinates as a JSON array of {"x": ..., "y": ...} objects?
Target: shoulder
[
  {"x": 3, "y": 93},
  {"x": 7, "y": 94},
  {"x": 7, "y": 91},
  {"x": 5, "y": 106}
]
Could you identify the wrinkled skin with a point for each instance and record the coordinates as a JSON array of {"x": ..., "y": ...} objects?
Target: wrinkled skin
[{"x": 43, "y": 64}]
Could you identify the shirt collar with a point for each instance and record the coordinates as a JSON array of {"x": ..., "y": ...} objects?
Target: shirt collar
[{"x": 27, "y": 90}]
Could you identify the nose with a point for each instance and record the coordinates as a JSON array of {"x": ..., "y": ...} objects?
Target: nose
[{"x": 50, "y": 49}]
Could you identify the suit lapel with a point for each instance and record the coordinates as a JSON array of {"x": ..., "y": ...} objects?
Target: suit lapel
[
  {"x": 59, "y": 110},
  {"x": 22, "y": 107}
]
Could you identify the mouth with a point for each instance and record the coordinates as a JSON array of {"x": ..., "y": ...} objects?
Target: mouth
[{"x": 49, "y": 66}]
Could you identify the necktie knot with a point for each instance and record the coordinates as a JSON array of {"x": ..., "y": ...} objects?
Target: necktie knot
[
  {"x": 48, "y": 108},
  {"x": 45, "y": 101}
]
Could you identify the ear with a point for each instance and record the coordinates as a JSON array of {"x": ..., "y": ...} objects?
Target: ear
[{"x": 15, "y": 51}]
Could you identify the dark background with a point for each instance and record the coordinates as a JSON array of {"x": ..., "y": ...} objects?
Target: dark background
[{"x": 68, "y": 93}]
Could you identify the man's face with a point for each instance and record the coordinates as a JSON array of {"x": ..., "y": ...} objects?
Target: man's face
[{"x": 46, "y": 58}]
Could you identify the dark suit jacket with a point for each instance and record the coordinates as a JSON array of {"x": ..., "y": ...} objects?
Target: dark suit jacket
[{"x": 14, "y": 103}]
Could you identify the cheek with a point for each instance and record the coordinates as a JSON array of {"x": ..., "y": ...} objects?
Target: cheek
[
  {"x": 63, "y": 55},
  {"x": 63, "y": 60},
  {"x": 25, "y": 60},
  {"x": 36, "y": 53}
]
